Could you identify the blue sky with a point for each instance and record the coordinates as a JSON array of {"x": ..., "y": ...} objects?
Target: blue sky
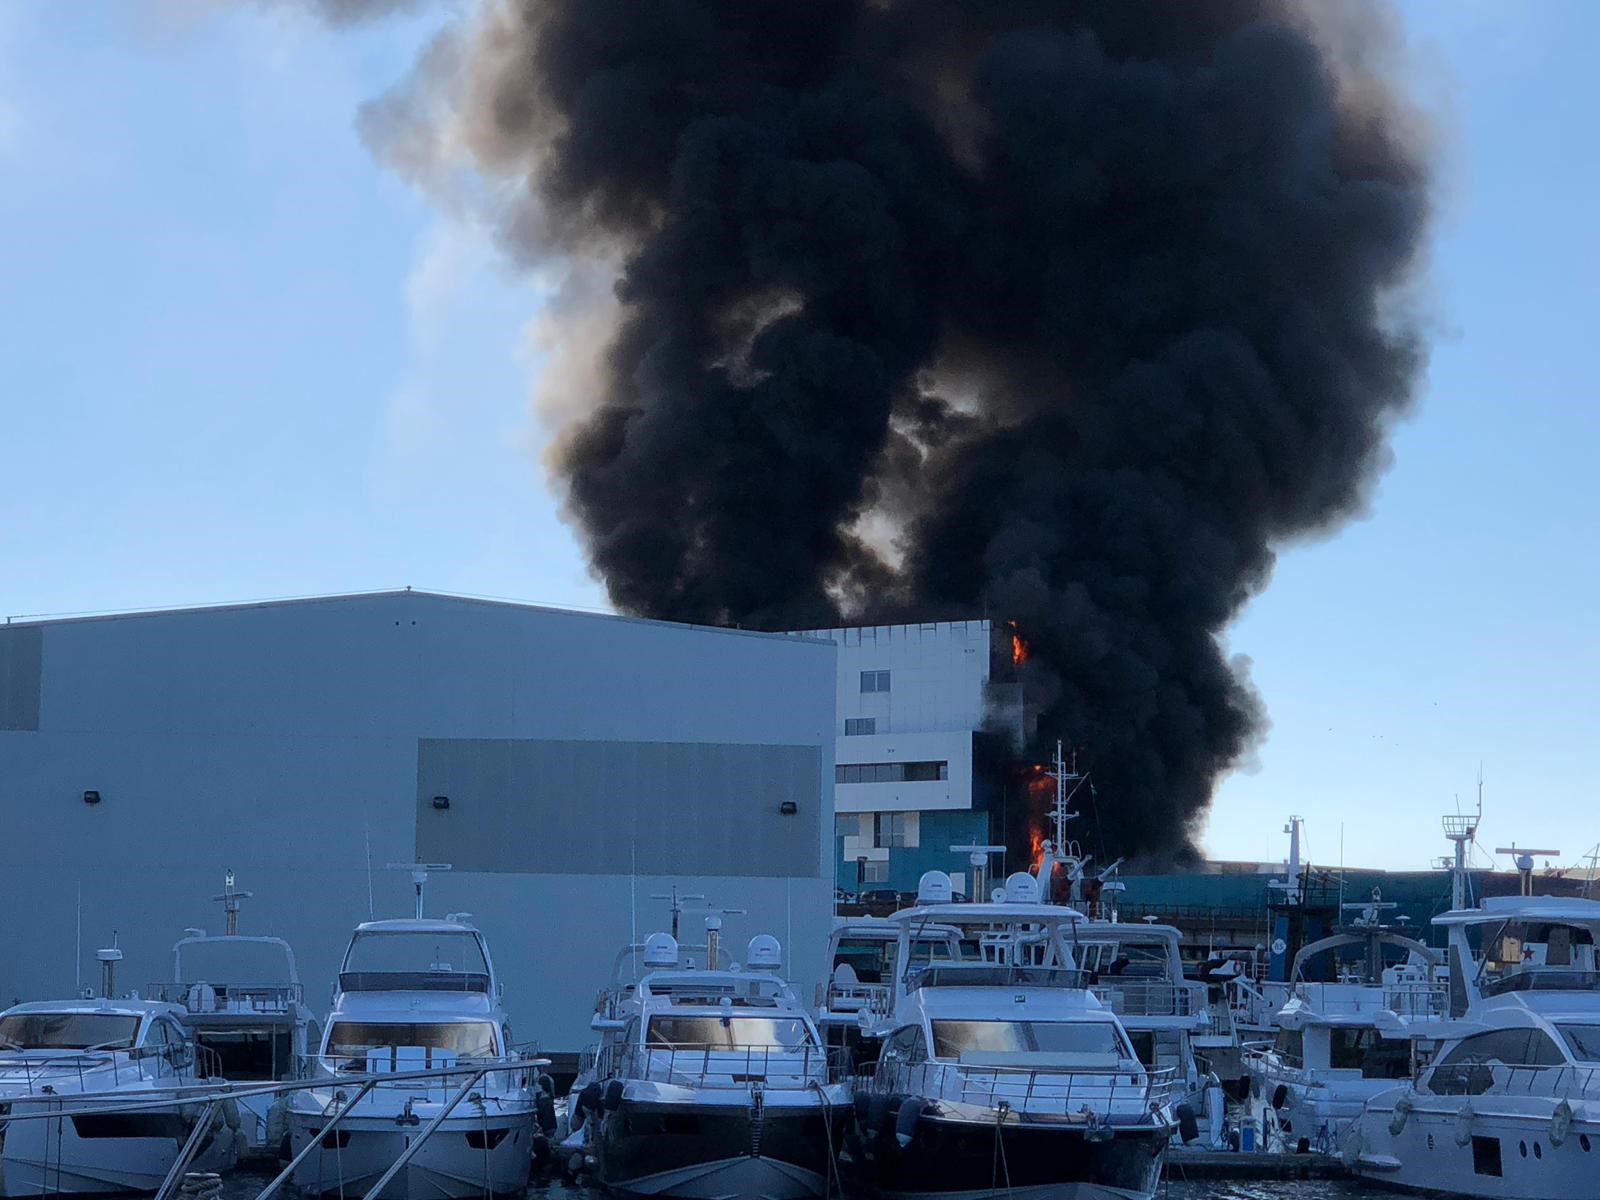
[{"x": 242, "y": 359}]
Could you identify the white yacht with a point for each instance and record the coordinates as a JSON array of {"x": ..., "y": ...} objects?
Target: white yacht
[
  {"x": 240, "y": 998},
  {"x": 1136, "y": 971},
  {"x": 1509, "y": 1104},
  {"x": 714, "y": 1082},
  {"x": 1001, "y": 1073},
  {"x": 121, "y": 1056},
  {"x": 1344, "y": 1035},
  {"x": 414, "y": 996}
]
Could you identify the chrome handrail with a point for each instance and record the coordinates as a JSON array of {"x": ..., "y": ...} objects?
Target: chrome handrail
[
  {"x": 734, "y": 1067},
  {"x": 1097, "y": 1095}
]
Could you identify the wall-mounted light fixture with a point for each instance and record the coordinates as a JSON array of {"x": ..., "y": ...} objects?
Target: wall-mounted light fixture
[
  {"x": 91, "y": 797},
  {"x": 441, "y": 802},
  {"x": 788, "y": 808}
]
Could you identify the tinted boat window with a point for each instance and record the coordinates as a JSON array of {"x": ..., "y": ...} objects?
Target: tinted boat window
[
  {"x": 1584, "y": 1041},
  {"x": 67, "y": 1031},
  {"x": 730, "y": 1033}
]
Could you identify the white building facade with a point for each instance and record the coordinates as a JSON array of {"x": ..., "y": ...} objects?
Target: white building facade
[{"x": 908, "y": 784}]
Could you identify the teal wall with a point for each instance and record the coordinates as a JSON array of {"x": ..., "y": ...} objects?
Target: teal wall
[{"x": 939, "y": 831}]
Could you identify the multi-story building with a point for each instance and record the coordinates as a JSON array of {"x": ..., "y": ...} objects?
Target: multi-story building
[{"x": 918, "y": 706}]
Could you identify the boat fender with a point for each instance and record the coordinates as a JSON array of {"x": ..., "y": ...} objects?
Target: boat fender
[
  {"x": 1350, "y": 1152},
  {"x": 906, "y": 1122},
  {"x": 1402, "y": 1112},
  {"x": 1464, "y": 1124},
  {"x": 574, "y": 1164},
  {"x": 230, "y": 1113},
  {"x": 547, "y": 1085},
  {"x": 1560, "y": 1124},
  {"x": 612, "y": 1100},
  {"x": 277, "y": 1122},
  {"x": 588, "y": 1101},
  {"x": 541, "y": 1153},
  {"x": 1188, "y": 1124},
  {"x": 1280, "y": 1095},
  {"x": 545, "y": 1108}
]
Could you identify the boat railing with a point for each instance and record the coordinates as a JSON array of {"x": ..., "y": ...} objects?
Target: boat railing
[
  {"x": 942, "y": 975},
  {"x": 741, "y": 1067},
  {"x": 1413, "y": 999},
  {"x": 338, "y": 1068},
  {"x": 854, "y": 998},
  {"x": 43, "y": 1073},
  {"x": 1491, "y": 1077},
  {"x": 228, "y": 998},
  {"x": 1149, "y": 997},
  {"x": 414, "y": 981},
  {"x": 1092, "y": 1095}
]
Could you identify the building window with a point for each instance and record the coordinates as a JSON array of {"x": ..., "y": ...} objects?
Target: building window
[
  {"x": 856, "y": 726},
  {"x": 891, "y": 831},
  {"x": 901, "y": 772},
  {"x": 847, "y": 825},
  {"x": 874, "y": 681},
  {"x": 875, "y": 871}
]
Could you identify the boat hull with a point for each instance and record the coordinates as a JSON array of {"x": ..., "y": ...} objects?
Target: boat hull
[
  {"x": 968, "y": 1160},
  {"x": 461, "y": 1159},
  {"x": 1500, "y": 1148},
  {"x": 701, "y": 1152},
  {"x": 98, "y": 1154}
]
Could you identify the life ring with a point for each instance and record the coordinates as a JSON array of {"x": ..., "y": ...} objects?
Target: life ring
[
  {"x": 1402, "y": 1112},
  {"x": 1560, "y": 1123},
  {"x": 1464, "y": 1124}
]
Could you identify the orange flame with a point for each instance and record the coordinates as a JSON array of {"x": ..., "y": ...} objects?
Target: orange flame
[{"x": 1020, "y": 649}]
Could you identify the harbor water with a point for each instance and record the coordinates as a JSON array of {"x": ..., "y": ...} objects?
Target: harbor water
[{"x": 244, "y": 1185}]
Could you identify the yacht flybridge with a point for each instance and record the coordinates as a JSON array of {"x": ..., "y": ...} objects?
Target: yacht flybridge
[
  {"x": 108, "y": 1064},
  {"x": 415, "y": 996},
  {"x": 712, "y": 1081},
  {"x": 1001, "y": 1074},
  {"x": 240, "y": 997},
  {"x": 1509, "y": 1105}
]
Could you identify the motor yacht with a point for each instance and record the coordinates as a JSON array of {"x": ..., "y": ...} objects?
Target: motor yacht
[
  {"x": 240, "y": 997},
  {"x": 713, "y": 1082},
  {"x": 105, "y": 1064},
  {"x": 1001, "y": 1073},
  {"x": 418, "y": 996},
  {"x": 1509, "y": 1103},
  {"x": 1345, "y": 1033}
]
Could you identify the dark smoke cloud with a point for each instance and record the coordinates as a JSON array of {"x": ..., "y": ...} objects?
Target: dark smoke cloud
[{"x": 1092, "y": 304}]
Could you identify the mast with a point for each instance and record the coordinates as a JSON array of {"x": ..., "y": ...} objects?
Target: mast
[{"x": 231, "y": 900}]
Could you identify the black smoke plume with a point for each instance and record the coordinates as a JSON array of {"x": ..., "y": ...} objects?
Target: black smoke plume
[{"x": 1062, "y": 312}]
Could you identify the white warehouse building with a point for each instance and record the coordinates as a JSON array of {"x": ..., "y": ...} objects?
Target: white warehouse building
[
  {"x": 912, "y": 703},
  {"x": 568, "y": 766}
]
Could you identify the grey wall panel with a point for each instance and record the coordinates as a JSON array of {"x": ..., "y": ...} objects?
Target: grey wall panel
[
  {"x": 615, "y": 808},
  {"x": 21, "y": 658}
]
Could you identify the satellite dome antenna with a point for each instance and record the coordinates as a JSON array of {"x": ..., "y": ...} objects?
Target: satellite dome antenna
[{"x": 419, "y": 877}]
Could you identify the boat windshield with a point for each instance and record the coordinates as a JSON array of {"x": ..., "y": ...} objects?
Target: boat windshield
[
  {"x": 728, "y": 1033},
  {"x": 964, "y": 1039},
  {"x": 1583, "y": 1041},
  {"x": 429, "y": 959},
  {"x": 406, "y": 1045},
  {"x": 67, "y": 1031},
  {"x": 260, "y": 964}
]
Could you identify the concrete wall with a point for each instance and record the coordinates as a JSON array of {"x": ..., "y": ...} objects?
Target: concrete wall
[{"x": 301, "y": 744}]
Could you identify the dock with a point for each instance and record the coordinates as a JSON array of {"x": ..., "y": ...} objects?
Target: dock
[{"x": 1184, "y": 1165}]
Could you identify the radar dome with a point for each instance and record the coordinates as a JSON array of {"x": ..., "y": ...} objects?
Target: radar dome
[
  {"x": 764, "y": 953},
  {"x": 660, "y": 950},
  {"x": 934, "y": 888},
  {"x": 1022, "y": 888}
]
